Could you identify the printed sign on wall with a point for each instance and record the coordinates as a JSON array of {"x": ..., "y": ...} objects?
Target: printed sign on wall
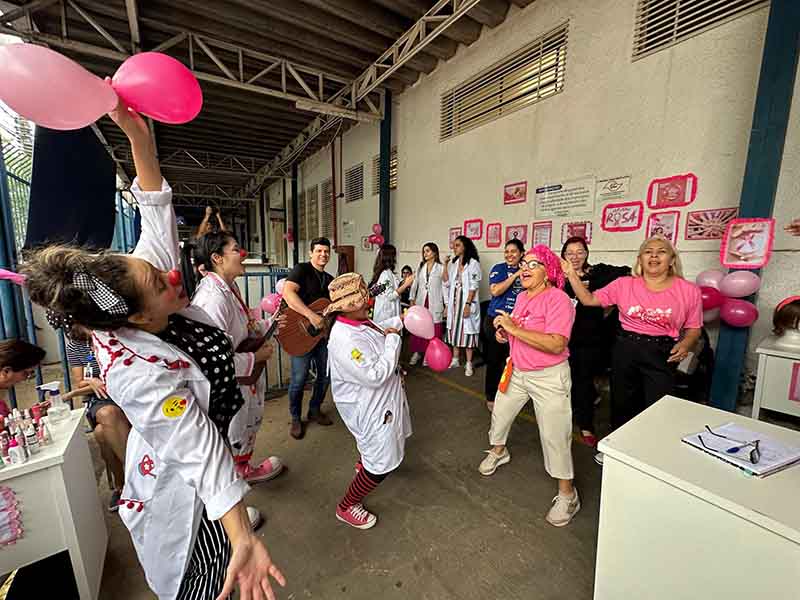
[
  {"x": 515, "y": 193},
  {"x": 747, "y": 243},
  {"x": 567, "y": 199},
  {"x": 473, "y": 229},
  {"x": 517, "y": 232},
  {"x": 453, "y": 234},
  {"x": 582, "y": 229},
  {"x": 664, "y": 224},
  {"x": 614, "y": 189},
  {"x": 671, "y": 192},
  {"x": 494, "y": 235},
  {"x": 625, "y": 216},
  {"x": 709, "y": 224},
  {"x": 542, "y": 233}
]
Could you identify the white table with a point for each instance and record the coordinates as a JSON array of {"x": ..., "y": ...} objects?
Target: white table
[
  {"x": 677, "y": 524},
  {"x": 61, "y": 510}
]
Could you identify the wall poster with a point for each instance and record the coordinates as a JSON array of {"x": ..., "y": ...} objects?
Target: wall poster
[
  {"x": 747, "y": 243},
  {"x": 542, "y": 233},
  {"x": 452, "y": 235},
  {"x": 709, "y": 224},
  {"x": 494, "y": 235},
  {"x": 365, "y": 243},
  {"x": 625, "y": 216},
  {"x": 568, "y": 199},
  {"x": 473, "y": 229},
  {"x": 517, "y": 232},
  {"x": 672, "y": 192},
  {"x": 515, "y": 193},
  {"x": 614, "y": 189},
  {"x": 582, "y": 229},
  {"x": 664, "y": 224}
]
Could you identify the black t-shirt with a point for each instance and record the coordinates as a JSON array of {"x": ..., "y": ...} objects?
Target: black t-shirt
[
  {"x": 313, "y": 283},
  {"x": 590, "y": 328}
]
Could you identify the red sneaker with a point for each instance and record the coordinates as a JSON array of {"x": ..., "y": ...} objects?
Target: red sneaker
[
  {"x": 357, "y": 516},
  {"x": 268, "y": 469}
]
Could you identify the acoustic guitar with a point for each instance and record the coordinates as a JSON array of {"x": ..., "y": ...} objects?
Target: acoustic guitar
[
  {"x": 252, "y": 344},
  {"x": 297, "y": 336}
]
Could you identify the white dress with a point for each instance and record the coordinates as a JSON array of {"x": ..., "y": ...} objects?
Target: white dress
[
  {"x": 463, "y": 332},
  {"x": 368, "y": 391},
  {"x": 222, "y": 305},
  {"x": 430, "y": 287},
  {"x": 387, "y": 303}
]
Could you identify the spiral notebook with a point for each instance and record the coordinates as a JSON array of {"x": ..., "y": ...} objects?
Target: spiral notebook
[{"x": 732, "y": 444}]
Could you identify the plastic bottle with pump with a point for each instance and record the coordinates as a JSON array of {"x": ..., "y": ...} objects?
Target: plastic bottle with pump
[
  {"x": 17, "y": 453},
  {"x": 58, "y": 411}
]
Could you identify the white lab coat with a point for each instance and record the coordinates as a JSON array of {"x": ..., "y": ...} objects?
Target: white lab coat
[
  {"x": 368, "y": 391},
  {"x": 432, "y": 289},
  {"x": 188, "y": 466},
  {"x": 470, "y": 280},
  {"x": 219, "y": 301},
  {"x": 387, "y": 303}
]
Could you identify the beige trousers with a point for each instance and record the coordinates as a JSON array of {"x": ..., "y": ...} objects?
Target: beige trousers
[{"x": 550, "y": 391}]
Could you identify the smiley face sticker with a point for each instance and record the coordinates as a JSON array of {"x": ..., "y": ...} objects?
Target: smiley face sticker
[{"x": 174, "y": 407}]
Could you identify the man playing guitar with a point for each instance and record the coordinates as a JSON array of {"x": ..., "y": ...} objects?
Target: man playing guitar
[{"x": 306, "y": 283}]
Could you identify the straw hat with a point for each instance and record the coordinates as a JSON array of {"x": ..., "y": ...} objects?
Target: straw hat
[{"x": 348, "y": 293}]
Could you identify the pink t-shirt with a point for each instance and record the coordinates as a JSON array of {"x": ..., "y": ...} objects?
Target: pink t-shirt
[
  {"x": 654, "y": 313},
  {"x": 548, "y": 312}
]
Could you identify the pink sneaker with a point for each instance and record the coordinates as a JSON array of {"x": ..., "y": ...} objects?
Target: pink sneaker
[
  {"x": 268, "y": 469},
  {"x": 357, "y": 516}
]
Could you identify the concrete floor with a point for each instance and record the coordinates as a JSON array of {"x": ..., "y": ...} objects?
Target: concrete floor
[{"x": 444, "y": 531}]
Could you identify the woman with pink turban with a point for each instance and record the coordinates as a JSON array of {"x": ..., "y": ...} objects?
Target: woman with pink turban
[{"x": 538, "y": 331}]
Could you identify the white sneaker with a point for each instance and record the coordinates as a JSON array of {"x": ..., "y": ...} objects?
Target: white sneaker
[
  {"x": 598, "y": 458},
  {"x": 468, "y": 370},
  {"x": 563, "y": 510},
  {"x": 424, "y": 362},
  {"x": 255, "y": 518},
  {"x": 454, "y": 363},
  {"x": 489, "y": 464},
  {"x": 414, "y": 359}
]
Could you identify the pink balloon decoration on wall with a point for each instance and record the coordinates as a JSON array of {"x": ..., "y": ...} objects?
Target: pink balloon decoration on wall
[
  {"x": 712, "y": 298},
  {"x": 739, "y": 284},
  {"x": 710, "y": 278},
  {"x": 738, "y": 313}
]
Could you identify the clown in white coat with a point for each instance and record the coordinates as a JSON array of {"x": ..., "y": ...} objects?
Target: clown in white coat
[
  {"x": 219, "y": 296},
  {"x": 368, "y": 390}
]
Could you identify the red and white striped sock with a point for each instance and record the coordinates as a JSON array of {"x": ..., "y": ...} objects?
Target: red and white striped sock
[{"x": 360, "y": 487}]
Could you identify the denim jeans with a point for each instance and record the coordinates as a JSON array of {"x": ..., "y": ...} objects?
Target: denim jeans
[{"x": 300, "y": 367}]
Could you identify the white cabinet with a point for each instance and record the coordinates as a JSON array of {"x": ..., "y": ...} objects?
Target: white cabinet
[{"x": 778, "y": 380}]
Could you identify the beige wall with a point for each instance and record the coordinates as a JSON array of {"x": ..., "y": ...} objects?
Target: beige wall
[{"x": 685, "y": 109}]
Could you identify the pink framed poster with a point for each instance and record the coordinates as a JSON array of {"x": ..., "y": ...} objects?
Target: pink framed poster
[
  {"x": 517, "y": 232},
  {"x": 663, "y": 224},
  {"x": 542, "y": 233},
  {"x": 494, "y": 235},
  {"x": 515, "y": 193},
  {"x": 747, "y": 243},
  {"x": 671, "y": 192},
  {"x": 623, "y": 216},
  {"x": 473, "y": 229},
  {"x": 452, "y": 235},
  {"x": 582, "y": 229},
  {"x": 794, "y": 385},
  {"x": 708, "y": 224}
]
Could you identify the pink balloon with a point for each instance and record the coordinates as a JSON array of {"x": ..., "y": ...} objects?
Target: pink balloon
[
  {"x": 738, "y": 313},
  {"x": 379, "y": 239},
  {"x": 739, "y": 284},
  {"x": 377, "y": 229},
  {"x": 710, "y": 278},
  {"x": 438, "y": 355},
  {"x": 271, "y": 303},
  {"x": 158, "y": 86},
  {"x": 709, "y": 316},
  {"x": 419, "y": 321},
  {"x": 50, "y": 89},
  {"x": 712, "y": 298},
  {"x": 279, "y": 286},
  {"x": 373, "y": 239}
]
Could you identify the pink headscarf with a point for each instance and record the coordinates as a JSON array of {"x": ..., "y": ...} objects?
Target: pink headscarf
[{"x": 551, "y": 262}]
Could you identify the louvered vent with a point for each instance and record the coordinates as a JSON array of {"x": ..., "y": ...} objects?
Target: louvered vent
[
  {"x": 328, "y": 226},
  {"x": 530, "y": 74},
  {"x": 663, "y": 23},
  {"x": 312, "y": 211},
  {"x": 376, "y": 172},
  {"x": 302, "y": 235},
  {"x": 354, "y": 183}
]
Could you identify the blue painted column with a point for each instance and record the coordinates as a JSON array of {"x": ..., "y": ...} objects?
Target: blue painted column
[
  {"x": 385, "y": 206},
  {"x": 8, "y": 307},
  {"x": 767, "y": 137}
]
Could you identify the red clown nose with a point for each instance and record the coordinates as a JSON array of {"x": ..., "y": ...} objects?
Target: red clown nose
[
  {"x": 174, "y": 278},
  {"x": 243, "y": 253}
]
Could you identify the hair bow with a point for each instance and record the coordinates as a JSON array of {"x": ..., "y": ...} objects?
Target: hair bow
[{"x": 102, "y": 295}]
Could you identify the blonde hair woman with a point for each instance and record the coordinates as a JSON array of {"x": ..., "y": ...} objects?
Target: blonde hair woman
[{"x": 661, "y": 315}]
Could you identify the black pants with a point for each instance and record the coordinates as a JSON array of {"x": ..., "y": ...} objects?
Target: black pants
[
  {"x": 208, "y": 566},
  {"x": 640, "y": 377},
  {"x": 495, "y": 355},
  {"x": 584, "y": 363}
]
